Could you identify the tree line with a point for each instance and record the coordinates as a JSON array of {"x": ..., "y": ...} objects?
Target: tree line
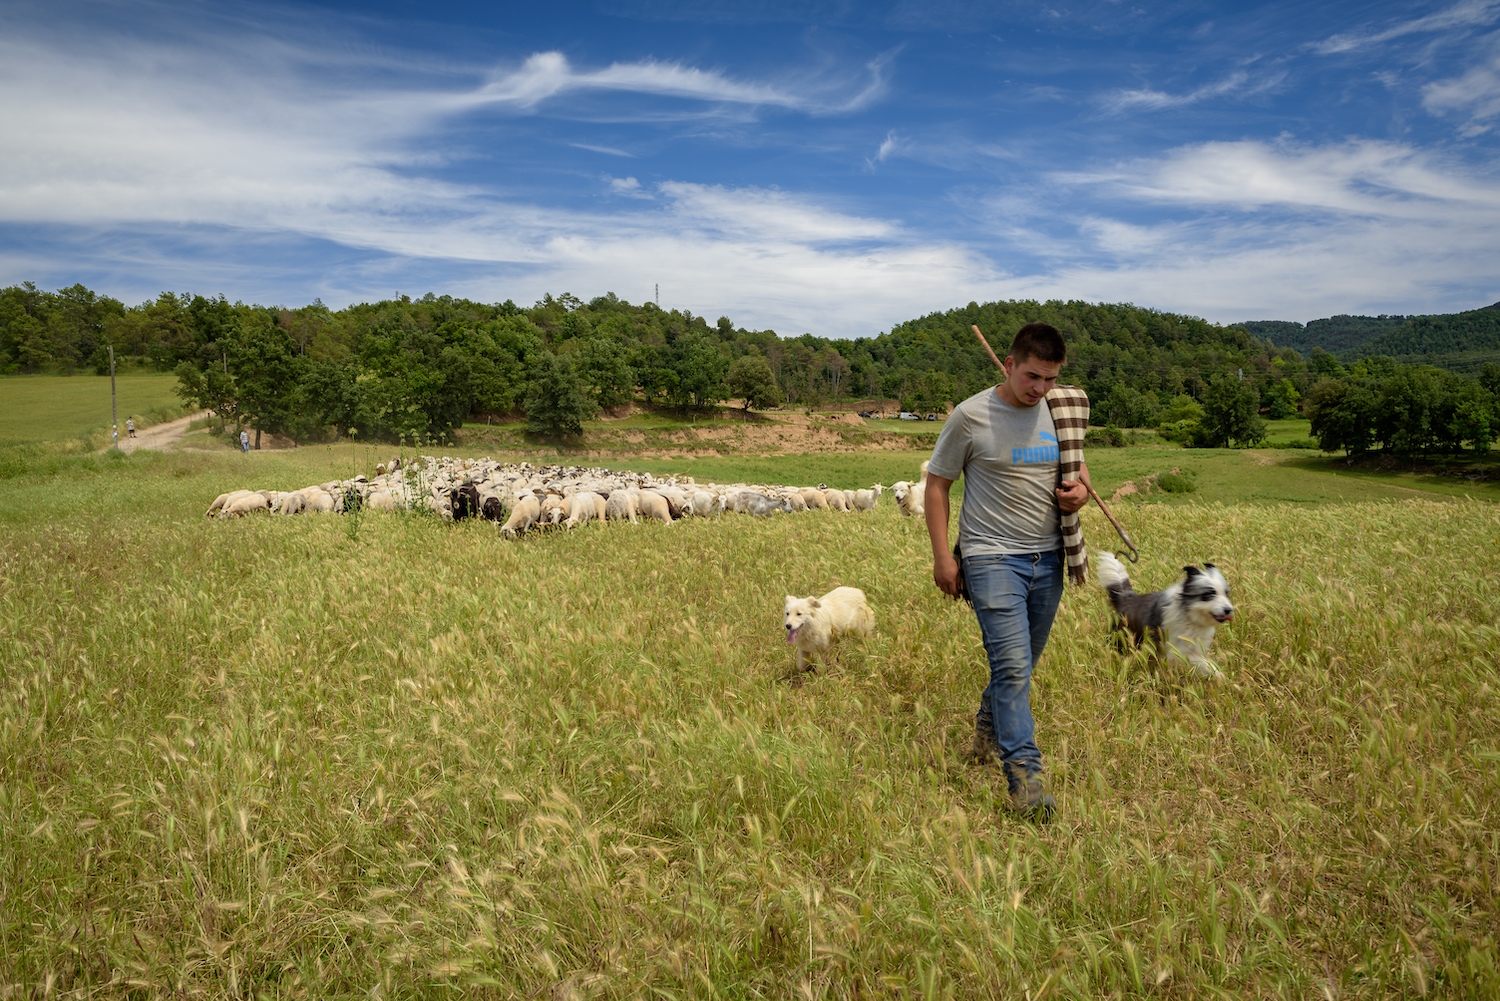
[
  {"x": 1380, "y": 405},
  {"x": 420, "y": 367}
]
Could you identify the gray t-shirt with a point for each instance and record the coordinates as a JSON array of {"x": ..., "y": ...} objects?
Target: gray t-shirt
[{"x": 1008, "y": 458}]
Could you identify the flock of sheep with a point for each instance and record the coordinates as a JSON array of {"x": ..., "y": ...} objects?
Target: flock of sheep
[{"x": 521, "y": 497}]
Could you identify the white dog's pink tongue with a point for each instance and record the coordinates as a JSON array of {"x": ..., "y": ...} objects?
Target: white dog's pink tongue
[{"x": 791, "y": 637}]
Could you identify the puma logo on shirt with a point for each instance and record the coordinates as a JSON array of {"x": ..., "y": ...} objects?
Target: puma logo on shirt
[{"x": 1036, "y": 453}]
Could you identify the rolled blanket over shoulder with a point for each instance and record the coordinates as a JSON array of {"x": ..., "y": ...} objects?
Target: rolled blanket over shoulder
[{"x": 1070, "y": 413}]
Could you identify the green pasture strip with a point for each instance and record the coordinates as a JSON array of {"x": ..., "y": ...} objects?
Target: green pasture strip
[
  {"x": 1268, "y": 476},
  {"x": 1277, "y": 432},
  {"x": 845, "y": 470},
  {"x": 263, "y": 758},
  {"x": 43, "y": 408}
]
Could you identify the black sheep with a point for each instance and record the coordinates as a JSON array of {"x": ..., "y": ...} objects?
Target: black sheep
[{"x": 465, "y": 501}]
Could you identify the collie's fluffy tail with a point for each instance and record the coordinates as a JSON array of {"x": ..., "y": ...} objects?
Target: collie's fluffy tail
[{"x": 1112, "y": 574}]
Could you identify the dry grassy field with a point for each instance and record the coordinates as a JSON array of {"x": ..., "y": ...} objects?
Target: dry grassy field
[{"x": 279, "y": 758}]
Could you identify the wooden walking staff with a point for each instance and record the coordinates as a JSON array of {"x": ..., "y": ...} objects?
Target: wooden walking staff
[{"x": 1132, "y": 555}]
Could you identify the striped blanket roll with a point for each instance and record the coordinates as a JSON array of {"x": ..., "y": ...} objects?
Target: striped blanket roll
[{"x": 1070, "y": 412}]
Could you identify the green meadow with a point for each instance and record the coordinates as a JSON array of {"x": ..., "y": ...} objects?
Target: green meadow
[
  {"x": 398, "y": 757},
  {"x": 53, "y": 408}
]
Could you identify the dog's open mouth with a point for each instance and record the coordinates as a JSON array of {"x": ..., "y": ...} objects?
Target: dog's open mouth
[
  {"x": 1224, "y": 618},
  {"x": 791, "y": 634}
]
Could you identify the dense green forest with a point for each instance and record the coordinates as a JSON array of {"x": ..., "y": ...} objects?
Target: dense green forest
[
  {"x": 1459, "y": 342},
  {"x": 419, "y": 368}
]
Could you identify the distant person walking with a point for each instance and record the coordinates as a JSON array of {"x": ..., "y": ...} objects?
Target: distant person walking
[
  {"x": 244, "y": 440},
  {"x": 130, "y": 426},
  {"x": 114, "y": 435}
]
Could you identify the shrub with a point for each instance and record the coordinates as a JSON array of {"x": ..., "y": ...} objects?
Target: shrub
[
  {"x": 1107, "y": 437},
  {"x": 1177, "y": 483},
  {"x": 1182, "y": 432}
]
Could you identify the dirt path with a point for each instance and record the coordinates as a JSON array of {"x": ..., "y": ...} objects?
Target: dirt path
[{"x": 158, "y": 436}]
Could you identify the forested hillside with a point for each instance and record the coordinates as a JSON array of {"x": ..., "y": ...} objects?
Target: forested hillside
[
  {"x": 1459, "y": 342},
  {"x": 419, "y": 368},
  {"x": 1333, "y": 334}
]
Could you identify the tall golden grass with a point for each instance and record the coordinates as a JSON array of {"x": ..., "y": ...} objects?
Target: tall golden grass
[{"x": 261, "y": 759}]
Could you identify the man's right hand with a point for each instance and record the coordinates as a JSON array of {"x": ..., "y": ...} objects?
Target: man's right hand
[{"x": 947, "y": 576}]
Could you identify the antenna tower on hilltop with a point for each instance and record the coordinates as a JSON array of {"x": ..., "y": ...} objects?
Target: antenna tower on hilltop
[{"x": 658, "y": 295}]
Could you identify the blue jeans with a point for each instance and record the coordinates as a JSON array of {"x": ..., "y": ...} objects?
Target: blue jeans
[{"x": 1015, "y": 599}]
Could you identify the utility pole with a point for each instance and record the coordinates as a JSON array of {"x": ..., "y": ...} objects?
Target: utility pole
[{"x": 114, "y": 412}]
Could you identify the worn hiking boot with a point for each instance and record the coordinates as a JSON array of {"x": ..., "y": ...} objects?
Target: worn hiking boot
[
  {"x": 1028, "y": 796},
  {"x": 986, "y": 746}
]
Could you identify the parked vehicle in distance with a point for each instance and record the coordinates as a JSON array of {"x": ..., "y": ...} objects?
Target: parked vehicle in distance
[
  {"x": 932, "y": 417},
  {"x": 909, "y": 416},
  {"x": 865, "y": 414}
]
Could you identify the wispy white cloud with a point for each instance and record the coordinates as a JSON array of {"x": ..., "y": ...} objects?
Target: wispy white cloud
[
  {"x": 1367, "y": 225},
  {"x": 1371, "y": 178},
  {"x": 546, "y": 75},
  {"x": 770, "y": 214},
  {"x": 889, "y": 146},
  {"x": 627, "y": 186},
  {"x": 1476, "y": 93},
  {"x": 1469, "y": 13},
  {"x": 151, "y": 141},
  {"x": 610, "y": 150},
  {"x": 1238, "y": 82}
]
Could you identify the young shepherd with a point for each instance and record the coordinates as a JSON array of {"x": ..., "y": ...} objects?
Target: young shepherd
[
  {"x": 1181, "y": 620},
  {"x": 1024, "y": 483},
  {"x": 812, "y": 624}
]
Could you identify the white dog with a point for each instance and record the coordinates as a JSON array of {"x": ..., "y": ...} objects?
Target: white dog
[
  {"x": 1181, "y": 620},
  {"x": 812, "y": 624}
]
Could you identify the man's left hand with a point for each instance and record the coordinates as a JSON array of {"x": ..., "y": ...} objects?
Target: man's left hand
[{"x": 1072, "y": 495}]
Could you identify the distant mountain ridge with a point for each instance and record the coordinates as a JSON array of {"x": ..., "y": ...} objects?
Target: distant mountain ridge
[{"x": 1459, "y": 342}]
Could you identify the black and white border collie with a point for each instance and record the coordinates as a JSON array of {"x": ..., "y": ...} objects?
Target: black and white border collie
[{"x": 1181, "y": 620}]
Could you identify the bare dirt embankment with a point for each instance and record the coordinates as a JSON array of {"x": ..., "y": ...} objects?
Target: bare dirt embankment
[{"x": 757, "y": 434}]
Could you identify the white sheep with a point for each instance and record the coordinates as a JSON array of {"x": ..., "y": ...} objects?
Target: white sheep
[
  {"x": 225, "y": 498},
  {"x": 241, "y": 506},
  {"x": 584, "y": 506},
  {"x": 526, "y": 514},
  {"x": 654, "y": 507},
  {"x": 623, "y": 505}
]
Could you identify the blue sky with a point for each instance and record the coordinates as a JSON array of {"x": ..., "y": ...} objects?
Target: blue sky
[{"x": 806, "y": 166}]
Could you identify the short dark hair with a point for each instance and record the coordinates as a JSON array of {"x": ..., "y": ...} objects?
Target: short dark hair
[{"x": 1040, "y": 341}]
